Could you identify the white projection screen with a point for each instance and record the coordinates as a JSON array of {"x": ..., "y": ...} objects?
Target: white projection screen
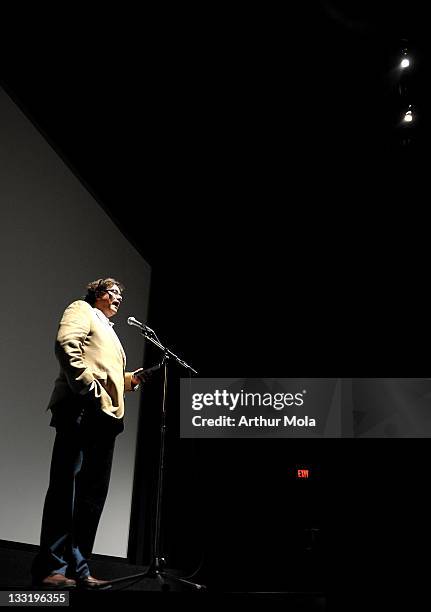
[{"x": 54, "y": 239}]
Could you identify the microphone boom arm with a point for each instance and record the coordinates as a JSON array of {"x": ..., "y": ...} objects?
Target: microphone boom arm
[{"x": 150, "y": 335}]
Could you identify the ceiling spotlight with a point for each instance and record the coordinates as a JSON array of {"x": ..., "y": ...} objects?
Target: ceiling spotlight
[
  {"x": 405, "y": 59},
  {"x": 408, "y": 115}
]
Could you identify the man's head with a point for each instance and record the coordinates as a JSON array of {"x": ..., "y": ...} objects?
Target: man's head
[{"x": 105, "y": 294}]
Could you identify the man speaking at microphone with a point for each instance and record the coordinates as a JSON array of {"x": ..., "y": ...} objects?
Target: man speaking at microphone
[{"x": 87, "y": 407}]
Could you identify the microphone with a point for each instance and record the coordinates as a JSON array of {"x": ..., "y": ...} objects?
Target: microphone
[{"x": 133, "y": 321}]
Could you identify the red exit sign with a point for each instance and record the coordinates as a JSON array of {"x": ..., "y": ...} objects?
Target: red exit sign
[{"x": 302, "y": 473}]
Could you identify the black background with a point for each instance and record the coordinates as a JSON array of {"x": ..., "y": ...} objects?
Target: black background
[{"x": 255, "y": 159}]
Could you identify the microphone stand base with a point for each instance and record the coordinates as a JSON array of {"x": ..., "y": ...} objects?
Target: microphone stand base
[{"x": 162, "y": 577}]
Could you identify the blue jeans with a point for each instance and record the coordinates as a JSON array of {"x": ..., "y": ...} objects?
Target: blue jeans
[{"x": 79, "y": 480}]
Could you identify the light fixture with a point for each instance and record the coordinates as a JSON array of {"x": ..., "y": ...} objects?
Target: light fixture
[
  {"x": 408, "y": 115},
  {"x": 405, "y": 56}
]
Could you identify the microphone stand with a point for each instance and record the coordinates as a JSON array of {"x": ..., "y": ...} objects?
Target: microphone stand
[{"x": 156, "y": 569}]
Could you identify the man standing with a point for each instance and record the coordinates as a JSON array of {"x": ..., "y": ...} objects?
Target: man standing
[{"x": 87, "y": 407}]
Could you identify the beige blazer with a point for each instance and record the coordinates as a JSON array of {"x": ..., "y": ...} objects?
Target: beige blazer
[{"x": 89, "y": 350}]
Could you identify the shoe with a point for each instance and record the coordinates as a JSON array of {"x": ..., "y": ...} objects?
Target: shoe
[
  {"x": 89, "y": 582},
  {"x": 57, "y": 581}
]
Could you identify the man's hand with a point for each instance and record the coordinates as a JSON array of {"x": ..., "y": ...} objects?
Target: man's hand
[
  {"x": 141, "y": 375},
  {"x": 135, "y": 376}
]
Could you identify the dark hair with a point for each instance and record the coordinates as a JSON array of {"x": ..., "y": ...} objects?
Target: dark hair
[{"x": 100, "y": 286}]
